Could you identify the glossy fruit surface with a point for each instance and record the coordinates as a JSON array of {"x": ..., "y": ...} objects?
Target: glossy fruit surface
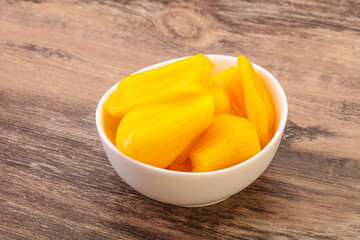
[
  {"x": 229, "y": 80},
  {"x": 228, "y": 141},
  {"x": 157, "y": 134},
  {"x": 184, "y": 78},
  {"x": 259, "y": 110}
]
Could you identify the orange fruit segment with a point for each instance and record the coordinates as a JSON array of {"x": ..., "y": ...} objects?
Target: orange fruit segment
[
  {"x": 258, "y": 104},
  {"x": 157, "y": 134},
  {"x": 184, "y": 78},
  {"x": 229, "y": 80},
  {"x": 228, "y": 141}
]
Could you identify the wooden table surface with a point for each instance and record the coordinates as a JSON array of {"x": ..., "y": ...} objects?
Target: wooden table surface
[{"x": 57, "y": 58}]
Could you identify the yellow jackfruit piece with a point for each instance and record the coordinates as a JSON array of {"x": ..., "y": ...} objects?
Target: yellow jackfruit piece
[
  {"x": 184, "y": 78},
  {"x": 229, "y": 80},
  {"x": 157, "y": 134},
  {"x": 259, "y": 108},
  {"x": 228, "y": 141}
]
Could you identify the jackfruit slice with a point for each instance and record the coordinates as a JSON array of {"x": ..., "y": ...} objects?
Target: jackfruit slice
[
  {"x": 184, "y": 78},
  {"x": 157, "y": 134}
]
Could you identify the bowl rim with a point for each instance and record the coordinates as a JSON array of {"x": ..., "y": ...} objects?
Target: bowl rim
[{"x": 277, "y": 135}]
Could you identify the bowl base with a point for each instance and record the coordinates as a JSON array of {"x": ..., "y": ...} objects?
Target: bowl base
[{"x": 202, "y": 204}]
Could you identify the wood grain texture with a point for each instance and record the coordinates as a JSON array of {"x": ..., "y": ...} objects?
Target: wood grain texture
[{"x": 57, "y": 58}]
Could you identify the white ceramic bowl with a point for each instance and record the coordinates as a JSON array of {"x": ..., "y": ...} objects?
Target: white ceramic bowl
[{"x": 196, "y": 189}]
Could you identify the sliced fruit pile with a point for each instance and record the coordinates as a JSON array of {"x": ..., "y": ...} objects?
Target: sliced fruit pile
[{"x": 183, "y": 118}]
